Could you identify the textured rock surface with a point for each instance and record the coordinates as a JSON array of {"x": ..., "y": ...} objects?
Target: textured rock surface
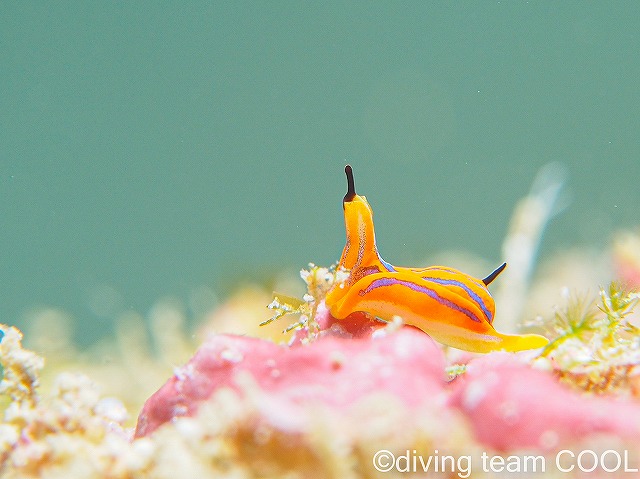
[
  {"x": 510, "y": 406},
  {"x": 343, "y": 366},
  {"x": 507, "y": 404}
]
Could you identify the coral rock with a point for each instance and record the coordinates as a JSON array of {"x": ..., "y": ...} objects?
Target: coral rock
[
  {"x": 342, "y": 366},
  {"x": 511, "y": 405}
]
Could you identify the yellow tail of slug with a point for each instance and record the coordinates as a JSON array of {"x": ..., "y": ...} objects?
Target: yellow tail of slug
[{"x": 521, "y": 342}]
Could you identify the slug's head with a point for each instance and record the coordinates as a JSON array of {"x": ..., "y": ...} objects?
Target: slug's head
[
  {"x": 358, "y": 220},
  {"x": 353, "y": 202}
]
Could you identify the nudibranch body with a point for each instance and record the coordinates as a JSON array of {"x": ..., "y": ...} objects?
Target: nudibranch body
[{"x": 452, "y": 307}]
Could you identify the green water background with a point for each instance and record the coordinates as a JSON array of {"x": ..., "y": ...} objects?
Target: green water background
[{"x": 150, "y": 148}]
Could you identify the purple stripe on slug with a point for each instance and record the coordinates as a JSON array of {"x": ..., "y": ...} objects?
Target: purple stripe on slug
[
  {"x": 362, "y": 242},
  {"x": 387, "y": 266},
  {"x": 453, "y": 271},
  {"x": 470, "y": 292},
  {"x": 382, "y": 282}
]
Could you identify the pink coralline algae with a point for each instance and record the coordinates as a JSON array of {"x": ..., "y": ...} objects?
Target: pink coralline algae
[
  {"x": 506, "y": 402},
  {"x": 511, "y": 405},
  {"x": 344, "y": 365}
]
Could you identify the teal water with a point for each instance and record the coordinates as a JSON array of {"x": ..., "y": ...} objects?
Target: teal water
[{"x": 148, "y": 148}]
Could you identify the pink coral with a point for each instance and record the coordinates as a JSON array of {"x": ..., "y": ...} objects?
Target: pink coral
[
  {"x": 510, "y": 406},
  {"x": 507, "y": 403},
  {"x": 344, "y": 365}
]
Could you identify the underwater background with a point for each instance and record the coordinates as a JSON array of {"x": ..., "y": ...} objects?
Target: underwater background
[{"x": 152, "y": 150}]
